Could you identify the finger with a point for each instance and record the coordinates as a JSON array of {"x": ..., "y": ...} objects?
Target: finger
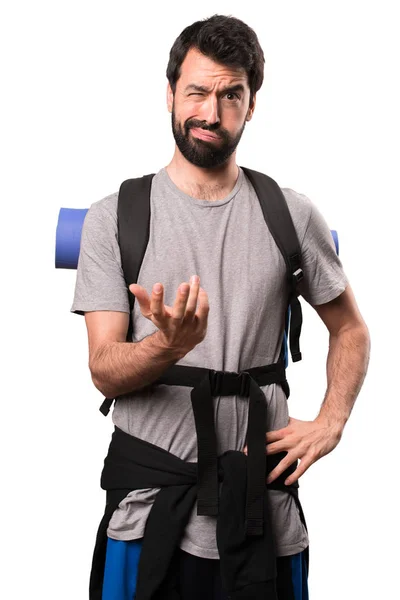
[
  {"x": 178, "y": 310},
  {"x": 142, "y": 297},
  {"x": 276, "y": 447},
  {"x": 301, "y": 469},
  {"x": 192, "y": 299},
  {"x": 157, "y": 302},
  {"x": 275, "y": 436},
  {"x": 204, "y": 306},
  {"x": 280, "y": 468}
]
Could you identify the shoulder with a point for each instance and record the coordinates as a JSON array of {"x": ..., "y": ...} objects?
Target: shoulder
[
  {"x": 300, "y": 208},
  {"x": 107, "y": 206},
  {"x": 296, "y": 200},
  {"x": 103, "y": 212}
]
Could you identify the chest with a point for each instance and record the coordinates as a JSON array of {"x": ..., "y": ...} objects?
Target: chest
[{"x": 230, "y": 247}]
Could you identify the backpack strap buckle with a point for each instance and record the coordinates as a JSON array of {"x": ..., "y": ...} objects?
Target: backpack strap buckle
[{"x": 298, "y": 276}]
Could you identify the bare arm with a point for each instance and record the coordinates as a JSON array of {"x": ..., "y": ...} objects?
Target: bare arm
[
  {"x": 347, "y": 363},
  {"x": 119, "y": 367},
  {"x": 348, "y": 357}
]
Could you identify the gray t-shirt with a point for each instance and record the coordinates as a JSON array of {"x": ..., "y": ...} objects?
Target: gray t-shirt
[{"x": 228, "y": 244}]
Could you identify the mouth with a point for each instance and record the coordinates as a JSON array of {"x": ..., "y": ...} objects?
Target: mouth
[{"x": 205, "y": 135}]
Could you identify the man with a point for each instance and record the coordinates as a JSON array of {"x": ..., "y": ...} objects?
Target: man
[{"x": 218, "y": 301}]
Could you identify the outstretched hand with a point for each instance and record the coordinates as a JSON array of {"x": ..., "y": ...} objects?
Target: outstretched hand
[
  {"x": 305, "y": 440},
  {"x": 183, "y": 325}
]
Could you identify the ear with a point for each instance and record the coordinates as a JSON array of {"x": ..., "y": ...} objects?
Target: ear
[
  {"x": 251, "y": 109},
  {"x": 170, "y": 98}
]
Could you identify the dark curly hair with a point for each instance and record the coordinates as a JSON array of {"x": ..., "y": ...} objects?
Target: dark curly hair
[{"x": 224, "y": 39}]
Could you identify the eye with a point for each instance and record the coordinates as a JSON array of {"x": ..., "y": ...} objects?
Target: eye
[{"x": 236, "y": 96}]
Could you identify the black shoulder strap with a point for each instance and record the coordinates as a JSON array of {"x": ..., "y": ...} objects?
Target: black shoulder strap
[
  {"x": 279, "y": 221},
  {"x": 133, "y": 215},
  {"x": 133, "y": 230}
]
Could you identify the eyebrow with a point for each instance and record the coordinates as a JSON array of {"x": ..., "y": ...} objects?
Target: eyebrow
[{"x": 201, "y": 88}]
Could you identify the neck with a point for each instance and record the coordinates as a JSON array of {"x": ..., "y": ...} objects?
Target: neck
[{"x": 203, "y": 184}]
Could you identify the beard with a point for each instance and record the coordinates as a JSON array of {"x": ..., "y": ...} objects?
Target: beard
[{"x": 203, "y": 153}]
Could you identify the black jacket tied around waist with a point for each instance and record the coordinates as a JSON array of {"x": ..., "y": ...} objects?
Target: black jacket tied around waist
[{"x": 232, "y": 487}]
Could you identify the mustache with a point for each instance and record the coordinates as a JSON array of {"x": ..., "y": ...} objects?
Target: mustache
[{"x": 201, "y": 125}]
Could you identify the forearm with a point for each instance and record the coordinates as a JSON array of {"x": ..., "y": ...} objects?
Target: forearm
[
  {"x": 347, "y": 365},
  {"x": 122, "y": 367}
]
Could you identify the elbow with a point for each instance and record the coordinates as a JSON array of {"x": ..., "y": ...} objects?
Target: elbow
[
  {"x": 104, "y": 390},
  {"x": 357, "y": 329},
  {"x": 363, "y": 335},
  {"x": 367, "y": 341},
  {"x": 99, "y": 382},
  {"x": 356, "y": 338}
]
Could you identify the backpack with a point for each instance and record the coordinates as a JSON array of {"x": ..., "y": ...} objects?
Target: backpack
[{"x": 133, "y": 214}]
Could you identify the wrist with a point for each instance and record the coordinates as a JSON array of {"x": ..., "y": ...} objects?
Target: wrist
[
  {"x": 173, "y": 352},
  {"x": 333, "y": 424}
]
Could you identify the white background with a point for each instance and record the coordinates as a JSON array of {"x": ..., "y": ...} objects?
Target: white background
[{"x": 84, "y": 108}]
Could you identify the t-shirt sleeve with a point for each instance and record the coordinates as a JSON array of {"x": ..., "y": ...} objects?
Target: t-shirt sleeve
[
  {"x": 100, "y": 283},
  {"x": 324, "y": 277}
]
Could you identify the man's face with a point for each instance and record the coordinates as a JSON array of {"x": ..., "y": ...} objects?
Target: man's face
[{"x": 209, "y": 110}]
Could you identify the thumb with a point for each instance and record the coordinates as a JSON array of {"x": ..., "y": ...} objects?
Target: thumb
[
  {"x": 137, "y": 290},
  {"x": 141, "y": 295}
]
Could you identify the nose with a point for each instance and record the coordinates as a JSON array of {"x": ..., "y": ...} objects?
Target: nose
[{"x": 211, "y": 110}]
